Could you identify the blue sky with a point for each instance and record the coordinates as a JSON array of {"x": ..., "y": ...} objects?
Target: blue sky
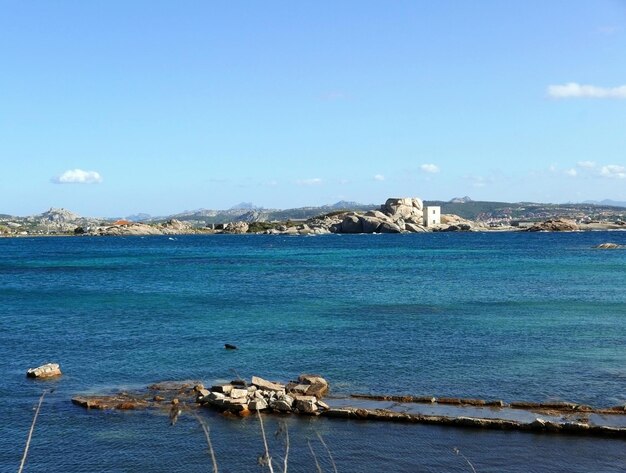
[{"x": 116, "y": 107}]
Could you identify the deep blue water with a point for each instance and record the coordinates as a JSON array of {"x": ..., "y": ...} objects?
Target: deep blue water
[{"x": 511, "y": 316}]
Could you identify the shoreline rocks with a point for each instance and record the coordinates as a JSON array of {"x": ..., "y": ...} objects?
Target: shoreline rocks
[
  {"x": 240, "y": 398},
  {"x": 555, "y": 225}
]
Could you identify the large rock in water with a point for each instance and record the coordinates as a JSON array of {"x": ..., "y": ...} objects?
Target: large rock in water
[
  {"x": 370, "y": 224},
  {"x": 49, "y": 370},
  {"x": 318, "y": 386},
  {"x": 351, "y": 224},
  {"x": 388, "y": 227}
]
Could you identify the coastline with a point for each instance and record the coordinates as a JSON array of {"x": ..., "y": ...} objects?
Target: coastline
[{"x": 133, "y": 230}]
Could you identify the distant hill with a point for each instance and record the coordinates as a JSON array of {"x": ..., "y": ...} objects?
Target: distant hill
[
  {"x": 531, "y": 211},
  {"x": 347, "y": 204},
  {"x": 245, "y": 206},
  {"x": 141, "y": 217},
  {"x": 257, "y": 214},
  {"x": 461, "y": 200},
  {"x": 609, "y": 202}
]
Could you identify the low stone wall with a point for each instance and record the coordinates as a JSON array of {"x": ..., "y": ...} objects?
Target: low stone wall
[{"x": 538, "y": 425}]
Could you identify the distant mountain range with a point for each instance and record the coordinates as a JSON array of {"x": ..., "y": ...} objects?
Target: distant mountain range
[{"x": 609, "y": 202}]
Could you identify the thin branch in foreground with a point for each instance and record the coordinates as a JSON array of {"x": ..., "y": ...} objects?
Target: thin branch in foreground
[
  {"x": 458, "y": 452},
  {"x": 205, "y": 428},
  {"x": 332, "y": 460},
  {"x": 30, "y": 433},
  {"x": 283, "y": 430},
  {"x": 317, "y": 464},
  {"x": 267, "y": 456}
]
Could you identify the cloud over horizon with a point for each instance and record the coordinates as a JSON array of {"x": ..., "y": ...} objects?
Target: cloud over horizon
[
  {"x": 591, "y": 169},
  {"x": 575, "y": 90},
  {"x": 429, "y": 168},
  {"x": 379, "y": 177},
  {"x": 78, "y": 176},
  {"x": 613, "y": 171},
  {"x": 309, "y": 182}
]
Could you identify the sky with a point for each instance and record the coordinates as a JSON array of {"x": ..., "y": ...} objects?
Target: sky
[{"x": 111, "y": 108}]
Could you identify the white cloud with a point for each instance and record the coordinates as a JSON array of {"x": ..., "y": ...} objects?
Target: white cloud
[
  {"x": 586, "y": 164},
  {"x": 379, "y": 177},
  {"x": 575, "y": 90},
  {"x": 613, "y": 171},
  {"x": 571, "y": 172},
  {"x": 78, "y": 176},
  {"x": 310, "y": 182},
  {"x": 430, "y": 168},
  {"x": 479, "y": 181}
]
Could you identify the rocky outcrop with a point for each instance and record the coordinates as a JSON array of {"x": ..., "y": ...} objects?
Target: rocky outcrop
[
  {"x": 555, "y": 225},
  {"x": 49, "y": 370},
  {"x": 300, "y": 397},
  {"x": 125, "y": 228},
  {"x": 235, "y": 227},
  {"x": 454, "y": 223},
  {"x": 406, "y": 208},
  {"x": 396, "y": 215}
]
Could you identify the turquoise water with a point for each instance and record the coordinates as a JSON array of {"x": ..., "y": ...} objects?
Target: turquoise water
[{"x": 510, "y": 316}]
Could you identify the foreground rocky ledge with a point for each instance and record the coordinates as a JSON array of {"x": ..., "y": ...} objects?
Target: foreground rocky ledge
[{"x": 304, "y": 397}]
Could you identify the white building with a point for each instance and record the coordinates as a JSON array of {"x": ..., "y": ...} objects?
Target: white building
[{"x": 432, "y": 215}]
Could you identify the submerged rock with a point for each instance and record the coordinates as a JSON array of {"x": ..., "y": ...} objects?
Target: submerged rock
[{"x": 608, "y": 246}]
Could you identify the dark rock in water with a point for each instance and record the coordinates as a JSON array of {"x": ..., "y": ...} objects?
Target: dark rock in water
[
  {"x": 228, "y": 346},
  {"x": 239, "y": 383}
]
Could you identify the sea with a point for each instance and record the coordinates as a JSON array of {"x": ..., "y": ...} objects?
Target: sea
[{"x": 511, "y": 316}]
